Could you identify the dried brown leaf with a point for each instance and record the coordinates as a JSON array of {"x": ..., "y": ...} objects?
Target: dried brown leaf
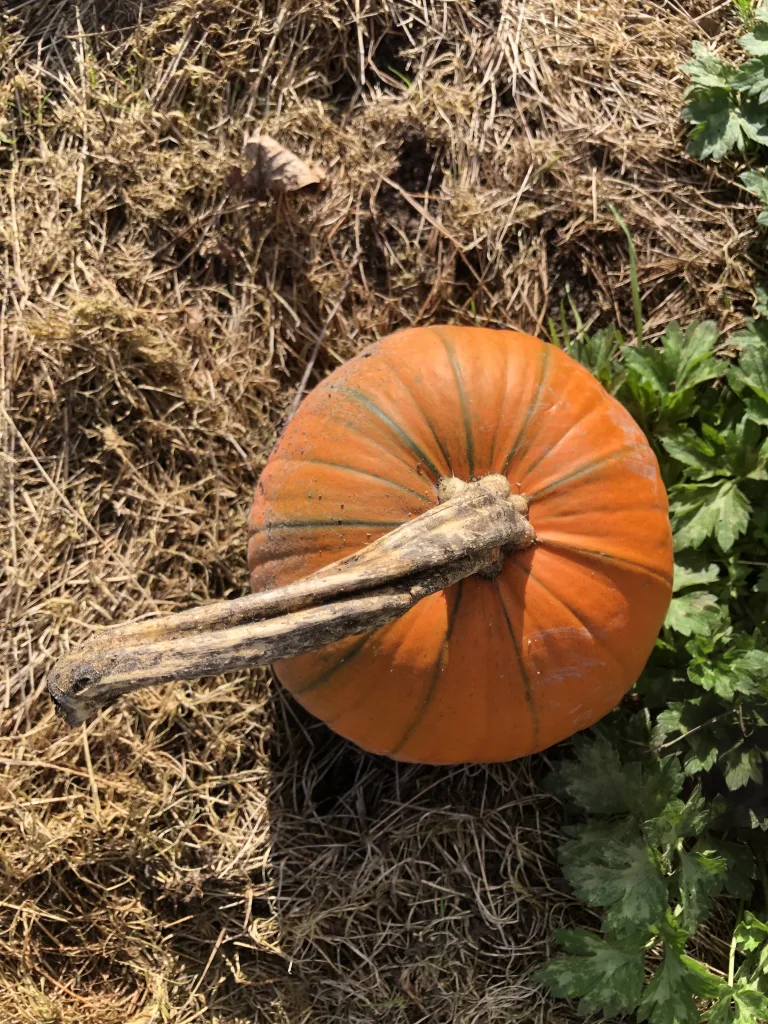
[{"x": 277, "y": 169}]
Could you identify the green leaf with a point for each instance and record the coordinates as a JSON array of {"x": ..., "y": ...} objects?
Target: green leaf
[
  {"x": 694, "y": 513},
  {"x": 669, "y": 998},
  {"x": 752, "y": 79},
  {"x": 662, "y": 782},
  {"x": 733, "y": 520},
  {"x": 756, "y": 42},
  {"x": 737, "y": 1006},
  {"x": 647, "y": 366},
  {"x": 757, "y": 183},
  {"x": 694, "y": 451},
  {"x": 662, "y": 830},
  {"x": 761, "y": 299},
  {"x": 709, "y": 509},
  {"x": 753, "y": 121},
  {"x": 744, "y": 672},
  {"x": 610, "y": 869},
  {"x": 707, "y": 70},
  {"x": 751, "y": 374},
  {"x": 671, "y": 720},
  {"x": 701, "y": 877},
  {"x": 696, "y": 612},
  {"x": 751, "y": 933},
  {"x": 739, "y": 866},
  {"x": 743, "y": 1004},
  {"x": 596, "y": 781},
  {"x": 701, "y": 981},
  {"x": 743, "y": 766},
  {"x": 755, "y": 331},
  {"x": 696, "y": 815},
  {"x": 696, "y": 363},
  {"x": 663, "y": 379},
  {"x": 742, "y": 447},
  {"x": 680, "y": 820},
  {"x": 722, "y": 1011},
  {"x": 684, "y": 577},
  {"x": 703, "y": 755},
  {"x": 719, "y": 126},
  {"x": 605, "y": 975},
  {"x": 751, "y": 1004},
  {"x": 693, "y": 612},
  {"x": 750, "y": 672}
]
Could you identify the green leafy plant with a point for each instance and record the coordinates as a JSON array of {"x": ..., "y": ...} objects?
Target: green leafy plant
[
  {"x": 648, "y": 857},
  {"x": 727, "y": 103},
  {"x": 706, "y": 416},
  {"x": 667, "y": 812},
  {"x": 671, "y": 802}
]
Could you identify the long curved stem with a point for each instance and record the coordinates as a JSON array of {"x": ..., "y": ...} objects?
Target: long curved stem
[{"x": 463, "y": 535}]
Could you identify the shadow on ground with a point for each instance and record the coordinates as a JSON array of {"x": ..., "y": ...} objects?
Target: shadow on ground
[{"x": 404, "y": 892}]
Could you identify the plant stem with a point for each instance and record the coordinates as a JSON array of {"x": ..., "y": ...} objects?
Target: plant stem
[
  {"x": 763, "y": 879},
  {"x": 470, "y": 531},
  {"x": 690, "y": 732},
  {"x": 637, "y": 307},
  {"x": 732, "y": 951}
]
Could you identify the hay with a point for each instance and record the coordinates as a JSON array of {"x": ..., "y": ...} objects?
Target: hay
[{"x": 208, "y": 853}]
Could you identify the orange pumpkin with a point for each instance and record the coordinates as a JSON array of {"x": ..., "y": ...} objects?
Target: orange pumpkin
[{"x": 490, "y": 669}]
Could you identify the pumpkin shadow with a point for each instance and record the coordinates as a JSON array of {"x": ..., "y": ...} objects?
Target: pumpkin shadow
[{"x": 406, "y": 892}]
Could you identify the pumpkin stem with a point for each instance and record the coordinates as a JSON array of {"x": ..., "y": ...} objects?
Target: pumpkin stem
[{"x": 464, "y": 534}]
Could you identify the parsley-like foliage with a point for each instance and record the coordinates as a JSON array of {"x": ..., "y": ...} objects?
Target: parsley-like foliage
[
  {"x": 727, "y": 104},
  {"x": 671, "y": 805}
]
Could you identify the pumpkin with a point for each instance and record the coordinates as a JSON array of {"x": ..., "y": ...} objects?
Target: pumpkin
[
  {"x": 459, "y": 550},
  {"x": 492, "y": 668}
]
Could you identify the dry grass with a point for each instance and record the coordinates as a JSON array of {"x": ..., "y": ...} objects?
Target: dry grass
[{"x": 207, "y": 853}]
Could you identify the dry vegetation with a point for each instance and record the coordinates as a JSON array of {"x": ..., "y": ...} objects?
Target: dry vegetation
[{"x": 207, "y": 853}]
